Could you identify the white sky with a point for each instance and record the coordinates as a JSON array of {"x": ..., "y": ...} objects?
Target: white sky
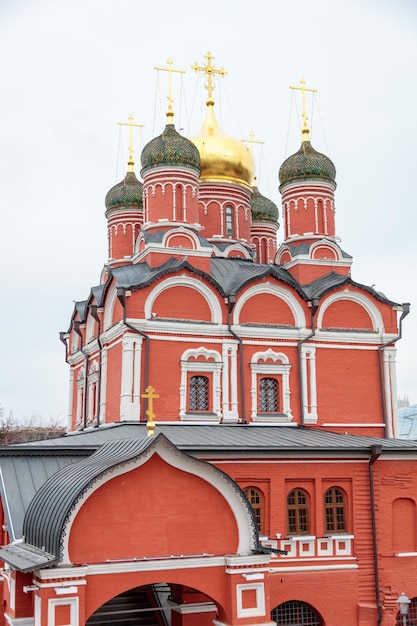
[{"x": 71, "y": 69}]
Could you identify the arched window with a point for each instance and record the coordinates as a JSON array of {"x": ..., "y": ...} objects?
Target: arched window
[
  {"x": 297, "y": 512},
  {"x": 256, "y": 501},
  {"x": 269, "y": 395},
  {"x": 199, "y": 393},
  {"x": 335, "y": 511},
  {"x": 229, "y": 221},
  {"x": 296, "y": 614}
]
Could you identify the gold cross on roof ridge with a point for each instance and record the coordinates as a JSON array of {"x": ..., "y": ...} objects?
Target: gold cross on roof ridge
[{"x": 150, "y": 396}]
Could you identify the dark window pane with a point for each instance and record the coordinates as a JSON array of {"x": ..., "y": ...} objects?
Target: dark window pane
[
  {"x": 199, "y": 393},
  {"x": 295, "y": 614},
  {"x": 297, "y": 512},
  {"x": 269, "y": 395},
  {"x": 335, "y": 510}
]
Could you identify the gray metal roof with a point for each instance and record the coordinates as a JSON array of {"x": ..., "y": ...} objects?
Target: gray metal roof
[
  {"x": 51, "y": 506},
  {"x": 228, "y": 439},
  {"x": 233, "y": 274},
  {"x": 304, "y": 248},
  {"x": 22, "y": 473},
  {"x": 44, "y": 478},
  {"x": 157, "y": 236},
  {"x": 48, "y": 510},
  {"x": 26, "y": 558},
  {"x": 320, "y": 286},
  {"x": 229, "y": 276}
]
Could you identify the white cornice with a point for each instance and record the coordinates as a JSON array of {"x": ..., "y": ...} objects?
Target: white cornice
[{"x": 136, "y": 565}]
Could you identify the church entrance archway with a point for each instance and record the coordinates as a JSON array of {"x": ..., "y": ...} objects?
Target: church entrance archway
[
  {"x": 160, "y": 604},
  {"x": 294, "y": 613}
]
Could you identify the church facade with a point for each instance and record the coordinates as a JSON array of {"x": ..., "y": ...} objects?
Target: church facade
[{"x": 232, "y": 454}]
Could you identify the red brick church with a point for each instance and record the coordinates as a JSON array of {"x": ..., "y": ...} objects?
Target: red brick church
[{"x": 232, "y": 454}]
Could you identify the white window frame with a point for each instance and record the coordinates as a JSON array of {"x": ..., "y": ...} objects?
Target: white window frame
[
  {"x": 271, "y": 364},
  {"x": 191, "y": 365}
]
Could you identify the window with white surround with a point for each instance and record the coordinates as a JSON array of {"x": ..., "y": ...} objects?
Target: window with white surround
[
  {"x": 199, "y": 393},
  {"x": 270, "y": 387},
  {"x": 229, "y": 221},
  {"x": 200, "y": 388},
  {"x": 269, "y": 395}
]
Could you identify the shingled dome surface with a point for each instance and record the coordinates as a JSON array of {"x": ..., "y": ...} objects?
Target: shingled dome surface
[
  {"x": 170, "y": 148},
  {"x": 126, "y": 193},
  {"x": 263, "y": 209},
  {"x": 307, "y": 163}
]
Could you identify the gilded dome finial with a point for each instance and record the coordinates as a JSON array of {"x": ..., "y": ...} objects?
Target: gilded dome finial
[
  {"x": 130, "y": 123},
  {"x": 169, "y": 69},
  {"x": 209, "y": 70},
  {"x": 305, "y": 130}
]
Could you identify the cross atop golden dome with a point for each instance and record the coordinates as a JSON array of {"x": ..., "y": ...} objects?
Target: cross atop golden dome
[{"x": 209, "y": 70}]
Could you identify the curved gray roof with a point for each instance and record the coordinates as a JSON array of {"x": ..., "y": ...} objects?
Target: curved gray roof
[{"x": 47, "y": 512}]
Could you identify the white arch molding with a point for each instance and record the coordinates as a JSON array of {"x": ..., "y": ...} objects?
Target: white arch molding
[
  {"x": 192, "y": 283},
  {"x": 275, "y": 290},
  {"x": 109, "y": 306},
  {"x": 182, "y": 462},
  {"x": 358, "y": 298}
]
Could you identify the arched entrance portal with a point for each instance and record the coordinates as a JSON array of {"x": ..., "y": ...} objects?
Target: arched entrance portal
[
  {"x": 160, "y": 604},
  {"x": 294, "y": 613}
]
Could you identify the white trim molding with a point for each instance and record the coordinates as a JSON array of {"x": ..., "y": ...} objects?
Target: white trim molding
[
  {"x": 192, "y": 283},
  {"x": 277, "y": 291},
  {"x": 358, "y": 298},
  {"x": 213, "y": 364},
  {"x": 278, "y": 365}
]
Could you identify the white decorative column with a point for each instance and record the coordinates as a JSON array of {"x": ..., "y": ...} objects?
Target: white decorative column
[
  {"x": 229, "y": 383},
  {"x": 308, "y": 375},
  {"x": 103, "y": 387},
  {"x": 390, "y": 390},
  {"x": 129, "y": 399},
  {"x": 70, "y": 400}
]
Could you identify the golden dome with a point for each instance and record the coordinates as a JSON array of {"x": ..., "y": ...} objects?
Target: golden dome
[{"x": 221, "y": 156}]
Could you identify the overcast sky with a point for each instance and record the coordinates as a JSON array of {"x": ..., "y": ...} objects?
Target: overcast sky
[{"x": 70, "y": 70}]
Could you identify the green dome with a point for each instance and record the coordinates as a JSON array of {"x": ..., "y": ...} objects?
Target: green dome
[
  {"x": 126, "y": 193},
  {"x": 170, "y": 148},
  {"x": 307, "y": 163},
  {"x": 263, "y": 209}
]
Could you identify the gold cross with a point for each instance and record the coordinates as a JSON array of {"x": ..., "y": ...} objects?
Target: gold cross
[
  {"x": 169, "y": 69},
  {"x": 252, "y": 140},
  {"x": 150, "y": 395},
  {"x": 131, "y": 125},
  {"x": 305, "y": 131},
  {"x": 209, "y": 70}
]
